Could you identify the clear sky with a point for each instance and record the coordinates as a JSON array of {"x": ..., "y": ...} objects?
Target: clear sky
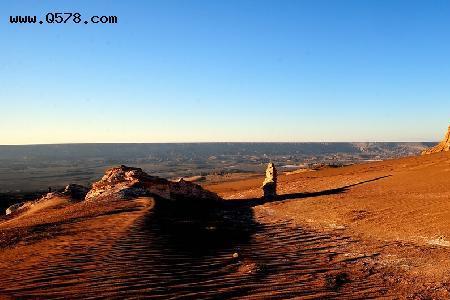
[{"x": 234, "y": 70}]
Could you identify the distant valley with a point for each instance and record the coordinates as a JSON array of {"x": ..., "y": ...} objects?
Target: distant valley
[{"x": 37, "y": 167}]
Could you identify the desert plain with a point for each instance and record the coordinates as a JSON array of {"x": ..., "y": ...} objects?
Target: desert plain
[{"x": 371, "y": 230}]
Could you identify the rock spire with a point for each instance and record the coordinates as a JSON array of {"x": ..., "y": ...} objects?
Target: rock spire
[{"x": 270, "y": 182}]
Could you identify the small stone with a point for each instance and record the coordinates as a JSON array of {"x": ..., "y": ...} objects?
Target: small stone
[{"x": 235, "y": 255}]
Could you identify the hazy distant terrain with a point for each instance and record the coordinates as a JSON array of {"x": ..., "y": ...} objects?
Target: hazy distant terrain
[{"x": 35, "y": 167}]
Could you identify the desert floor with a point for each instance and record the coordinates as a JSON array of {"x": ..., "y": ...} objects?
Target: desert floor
[
  {"x": 389, "y": 223},
  {"x": 398, "y": 211}
]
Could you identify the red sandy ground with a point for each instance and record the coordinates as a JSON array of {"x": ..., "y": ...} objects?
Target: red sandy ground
[{"x": 397, "y": 209}]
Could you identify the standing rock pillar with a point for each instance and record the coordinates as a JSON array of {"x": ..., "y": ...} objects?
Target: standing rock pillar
[{"x": 270, "y": 182}]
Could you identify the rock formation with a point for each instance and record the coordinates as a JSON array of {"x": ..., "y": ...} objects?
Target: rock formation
[
  {"x": 22, "y": 206},
  {"x": 126, "y": 182},
  {"x": 75, "y": 191},
  {"x": 270, "y": 182},
  {"x": 16, "y": 207},
  {"x": 442, "y": 146},
  {"x": 48, "y": 196}
]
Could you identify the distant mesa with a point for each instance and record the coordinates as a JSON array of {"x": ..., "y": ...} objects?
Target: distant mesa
[
  {"x": 441, "y": 147},
  {"x": 270, "y": 182},
  {"x": 127, "y": 182}
]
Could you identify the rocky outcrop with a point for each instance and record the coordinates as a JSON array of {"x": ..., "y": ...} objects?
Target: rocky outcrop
[
  {"x": 18, "y": 207},
  {"x": 49, "y": 196},
  {"x": 75, "y": 191},
  {"x": 22, "y": 206},
  {"x": 15, "y": 207},
  {"x": 126, "y": 182},
  {"x": 270, "y": 182},
  {"x": 441, "y": 147},
  {"x": 48, "y": 200}
]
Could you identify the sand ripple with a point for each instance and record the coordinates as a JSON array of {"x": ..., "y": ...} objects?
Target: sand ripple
[{"x": 172, "y": 257}]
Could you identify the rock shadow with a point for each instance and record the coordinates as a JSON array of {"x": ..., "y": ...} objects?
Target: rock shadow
[
  {"x": 258, "y": 201},
  {"x": 200, "y": 230}
]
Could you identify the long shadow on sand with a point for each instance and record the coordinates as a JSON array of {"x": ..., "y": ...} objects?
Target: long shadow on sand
[
  {"x": 223, "y": 252},
  {"x": 291, "y": 196},
  {"x": 186, "y": 228},
  {"x": 192, "y": 252}
]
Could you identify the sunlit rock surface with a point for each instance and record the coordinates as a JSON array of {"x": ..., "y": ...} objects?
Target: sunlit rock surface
[
  {"x": 127, "y": 182},
  {"x": 270, "y": 182},
  {"x": 442, "y": 146}
]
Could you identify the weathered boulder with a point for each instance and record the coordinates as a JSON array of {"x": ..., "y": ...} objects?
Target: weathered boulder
[
  {"x": 126, "y": 182},
  {"x": 441, "y": 147},
  {"x": 49, "y": 196},
  {"x": 13, "y": 208},
  {"x": 270, "y": 182},
  {"x": 75, "y": 191},
  {"x": 17, "y": 207},
  {"x": 20, "y": 207}
]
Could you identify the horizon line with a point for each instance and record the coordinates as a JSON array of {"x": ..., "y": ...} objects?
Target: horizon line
[{"x": 215, "y": 142}]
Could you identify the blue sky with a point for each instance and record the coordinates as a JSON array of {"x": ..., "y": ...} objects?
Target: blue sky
[{"x": 181, "y": 71}]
